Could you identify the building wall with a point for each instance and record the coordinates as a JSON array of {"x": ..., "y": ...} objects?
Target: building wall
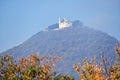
[{"x": 64, "y": 24}]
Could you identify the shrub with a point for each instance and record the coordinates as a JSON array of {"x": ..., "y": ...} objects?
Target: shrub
[
  {"x": 91, "y": 71},
  {"x": 32, "y": 68}
]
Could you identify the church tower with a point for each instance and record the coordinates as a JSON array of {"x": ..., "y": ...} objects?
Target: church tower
[{"x": 59, "y": 21}]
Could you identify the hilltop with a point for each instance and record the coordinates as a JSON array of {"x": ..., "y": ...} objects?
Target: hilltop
[{"x": 73, "y": 43}]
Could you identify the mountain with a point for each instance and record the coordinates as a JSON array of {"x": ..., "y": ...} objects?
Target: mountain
[{"x": 73, "y": 43}]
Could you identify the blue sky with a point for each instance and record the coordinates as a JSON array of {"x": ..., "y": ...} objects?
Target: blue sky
[{"x": 20, "y": 19}]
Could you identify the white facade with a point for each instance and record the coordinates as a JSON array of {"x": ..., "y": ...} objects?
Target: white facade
[{"x": 64, "y": 23}]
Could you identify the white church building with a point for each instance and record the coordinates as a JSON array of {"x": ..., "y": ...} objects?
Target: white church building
[{"x": 63, "y": 23}]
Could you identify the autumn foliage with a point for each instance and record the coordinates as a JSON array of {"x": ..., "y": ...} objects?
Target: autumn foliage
[
  {"x": 27, "y": 68},
  {"x": 91, "y": 71},
  {"x": 41, "y": 68}
]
